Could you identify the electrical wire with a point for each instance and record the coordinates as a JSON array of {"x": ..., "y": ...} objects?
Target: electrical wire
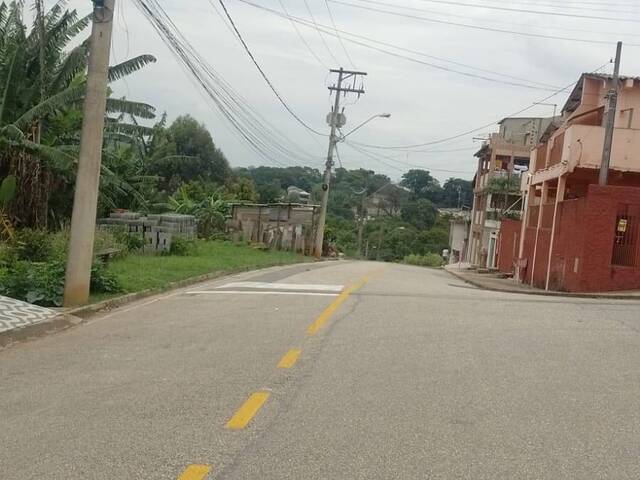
[
  {"x": 302, "y": 39},
  {"x": 382, "y": 160},
  {"x": 327, "y": 30},
  {"x": 477, "y": 27},
  {"x": 474, "y": 130},
  {"x": 335, "y": 28},
  {"x": 535, "y": 12},
  {"x": 509, "y": 23},
  {"x": 265, "y": 77},
  {"x": 322, "y": 39},
  {"x": 247, "y": 124},
  {"x": 575, "y": 6}
]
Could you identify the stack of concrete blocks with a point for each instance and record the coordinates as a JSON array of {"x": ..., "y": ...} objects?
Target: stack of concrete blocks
[{"x": 156, "y": 230}]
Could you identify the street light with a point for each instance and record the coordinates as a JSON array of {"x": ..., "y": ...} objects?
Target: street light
[{"x": 380, "y": 115}]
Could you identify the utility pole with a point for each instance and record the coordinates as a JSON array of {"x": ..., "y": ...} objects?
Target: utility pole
[
  {"x": 611, "y": 118},
  {"x": 335, "y": 120},
  {"x": 85, "y": 201}
]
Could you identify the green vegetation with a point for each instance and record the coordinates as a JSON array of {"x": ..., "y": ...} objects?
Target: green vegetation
[
  {"x": 428, "y": 260},
  {"x": 141, "y": 272},
  {"x": 32, "y": 266}
]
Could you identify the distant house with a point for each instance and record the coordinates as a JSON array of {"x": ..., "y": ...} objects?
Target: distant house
[
  {"x": 459, "y": 224},
  {"x": 502, "y": 158},
  {"x": 386, "y": 201},
  {"x": 297, "y": 195}
]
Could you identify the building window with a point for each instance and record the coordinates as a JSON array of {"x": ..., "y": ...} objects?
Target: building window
[{"x": 625, "y": 242}]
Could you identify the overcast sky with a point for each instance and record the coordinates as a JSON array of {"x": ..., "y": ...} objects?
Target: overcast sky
[{"x": 426, "y": 103}]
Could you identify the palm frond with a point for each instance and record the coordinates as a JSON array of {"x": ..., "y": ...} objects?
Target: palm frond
[
  {"x": 9, "y": 85},
  {"x": 121, "y": 105},
  {"x": 57, "y": 158},
  {"x": 63, "y": 99},
  {"x": 73, "y": 63},
  {"x": 130, "y": 66},
  {"x": 129, "y": 129}
]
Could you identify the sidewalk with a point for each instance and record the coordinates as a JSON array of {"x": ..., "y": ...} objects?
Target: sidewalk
[{"x": 495, "y": 282}]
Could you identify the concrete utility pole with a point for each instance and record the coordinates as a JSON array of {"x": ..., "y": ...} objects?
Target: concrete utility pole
[
  {"x": 333, "y": 119},
  {"x": 611, "y": 118},
  {"x": 85, "y": 201}
]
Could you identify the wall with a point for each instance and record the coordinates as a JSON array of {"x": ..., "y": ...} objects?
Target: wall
[
  {"x": 583, "y": 244},
  {"x": 508, "y": 244},
  {"x": 583, "y": 147}
]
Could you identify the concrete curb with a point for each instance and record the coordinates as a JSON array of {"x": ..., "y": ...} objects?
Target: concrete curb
[
  {"x": 56, "y": 324},
  {"x": 541, "y": 293},
  {"x": 76, "y": 316}
]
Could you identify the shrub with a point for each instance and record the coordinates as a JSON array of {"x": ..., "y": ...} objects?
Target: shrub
[
  {"x": 34, "y": 282},
  {"x": 33, "y": 245},
  {"x": 428, "y": 260},
  {"x": 181, "y": 246},
  {"x": 102, "y": 280},
  {"x": 8, "y": 254}
]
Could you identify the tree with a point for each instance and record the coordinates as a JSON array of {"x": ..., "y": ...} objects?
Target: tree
[
  {"x": 456, "y": 193},
  {"x": 241, "y": 189},
  {"x": 422, "y": 185},
  {"x": 43, "y": 84},
  {"x": 420, "y": 213},
  {"x": 189, "y": 154}
]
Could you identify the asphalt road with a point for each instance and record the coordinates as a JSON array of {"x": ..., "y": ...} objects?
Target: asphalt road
[{"x": 407, "y": 374}]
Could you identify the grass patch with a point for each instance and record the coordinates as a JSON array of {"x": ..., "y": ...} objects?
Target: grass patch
[{"x": 142, "y": 272}]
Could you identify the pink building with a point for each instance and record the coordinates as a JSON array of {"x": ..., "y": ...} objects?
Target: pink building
[{"x": 576, "y": 235}]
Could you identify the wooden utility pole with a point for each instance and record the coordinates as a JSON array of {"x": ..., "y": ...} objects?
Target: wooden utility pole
[
  {"x": 611, "y": 118},
  {"x": 85, "y": 201},
  {"x": 334, "y": 121}
]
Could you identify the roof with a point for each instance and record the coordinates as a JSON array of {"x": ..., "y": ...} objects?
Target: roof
[
  {"x": 518, "y": 118},
  {"x": 483, "y": 149},
  {"x": 576, "y": 94},
  {"x": 554, "y": 125}
]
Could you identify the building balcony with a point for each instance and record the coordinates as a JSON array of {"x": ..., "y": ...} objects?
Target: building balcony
[{"x": 580, "y": 146}]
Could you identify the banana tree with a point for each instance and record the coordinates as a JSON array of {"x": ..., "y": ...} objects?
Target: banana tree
[{"x": 42, "y": 85}]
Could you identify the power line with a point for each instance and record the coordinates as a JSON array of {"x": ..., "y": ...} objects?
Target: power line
[
  {"x": 327, "y": 30},
  {"x": 381, "y": 159},
  {"x": 247, "y": 124},
  {"x": 335, "y": 28},
  {"x": 477, "y": 27},
  {"x": 535, "y": 12},
  {"x": 511, "y": 24},
  {"x": 474, "y": 130},
  {"x": 324, "y": 41},
  {"x": 264, "y": 75},
  {"x": 578, "y": 6},
  {"x": 304, "y": 41}
]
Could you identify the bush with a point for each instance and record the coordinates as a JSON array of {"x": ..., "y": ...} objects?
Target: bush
[
  {"x": 102, "y": 280},
  {"x": 32, "y": 267},
  {"x": 181, "y": 246},
  {"x": 34, "y": 282},
  {"x": 428, "y": 260},
  {"x": 33, "y": 245},
  {"x": 8, "y": 254}
]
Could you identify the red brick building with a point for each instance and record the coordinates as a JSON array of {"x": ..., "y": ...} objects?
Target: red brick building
[{"x": 576, "y": 235}]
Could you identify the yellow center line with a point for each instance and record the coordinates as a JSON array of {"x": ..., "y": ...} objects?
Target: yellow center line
[
  {"x": 289, "y": 359},
  {"x": 247, "y": 411},
  {"x": 326, "y": 314},
  {"x": 194, "y": 472}
]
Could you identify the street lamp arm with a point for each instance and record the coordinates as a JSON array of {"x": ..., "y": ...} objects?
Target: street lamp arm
[{"x": 380, "y": 115}]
